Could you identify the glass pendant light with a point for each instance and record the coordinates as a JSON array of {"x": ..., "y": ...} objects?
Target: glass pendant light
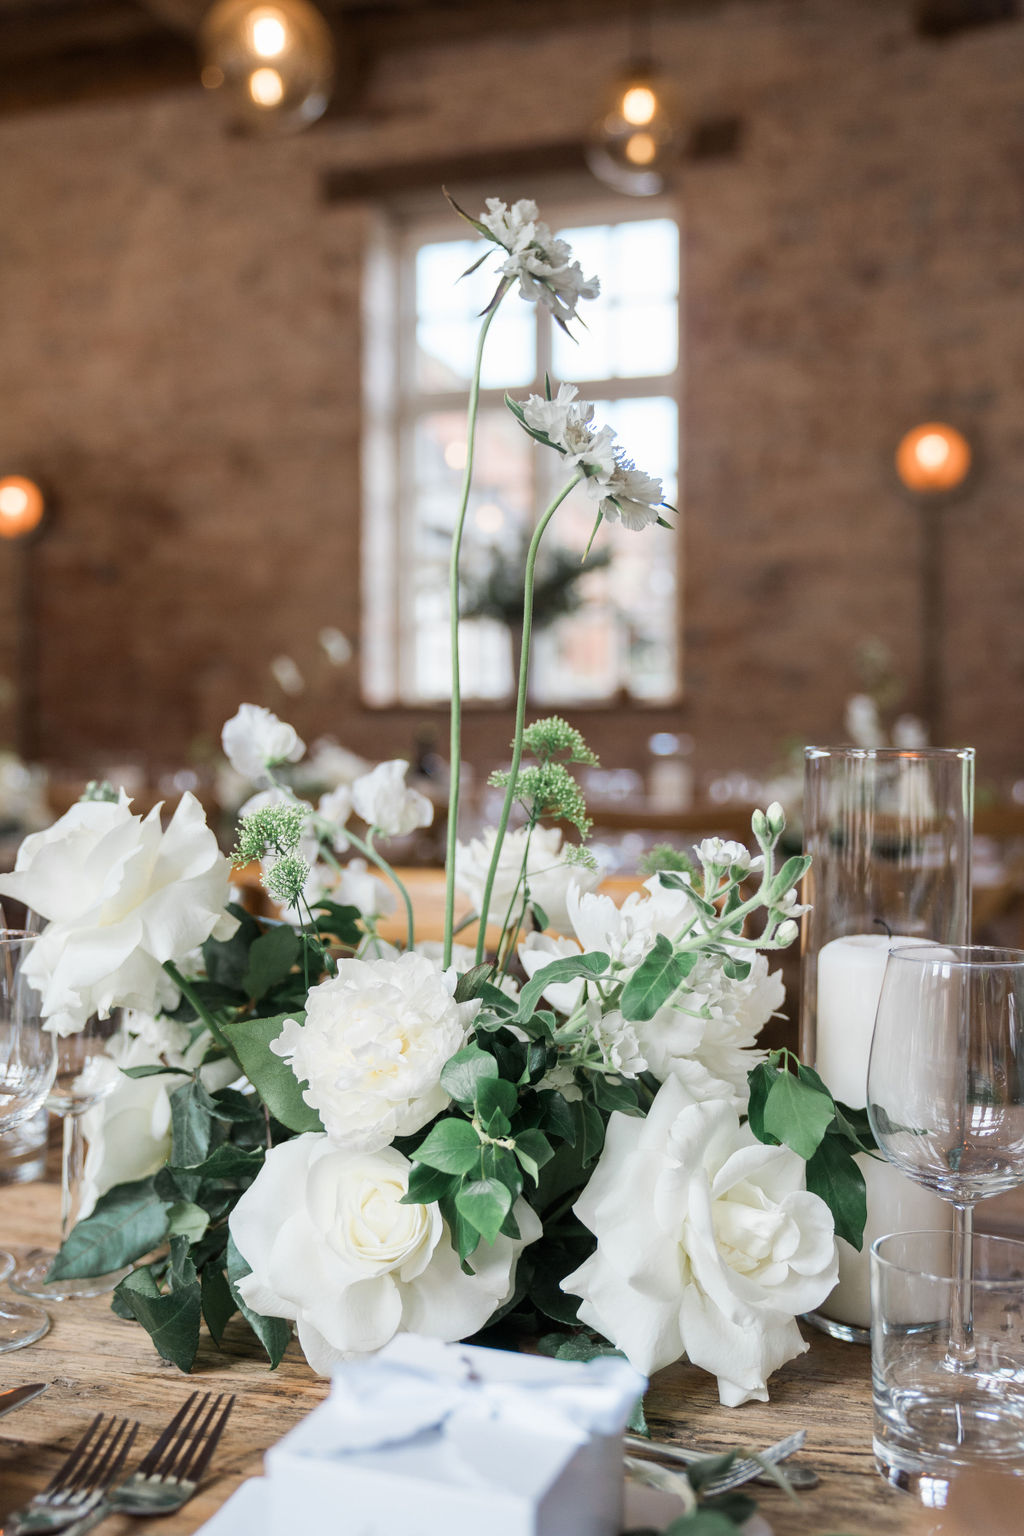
[
  {"x": 274, "y": 63},
  {"x": 633, "y": 144}
]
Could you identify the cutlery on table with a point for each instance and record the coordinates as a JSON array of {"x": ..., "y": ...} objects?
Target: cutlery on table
[
  {"x": 744, "y": 1470},
  {"x": 80, "y": 1483},
  {"x": 169, "y": 1473},
  {"x": 15, "y": 1396}
]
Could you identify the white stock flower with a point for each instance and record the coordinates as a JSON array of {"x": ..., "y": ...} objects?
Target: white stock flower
[
  {"x": 616, "y": 1039},
  {"x": 550, "y": 877},
  {"x": 725, "y": 854},
  {"x": 383, "y": 800},
  {"x": 375, "y": 1038},
  {"x": 254, "y": 740},
  {"x": 708, "y": 1245},
  {"x": 120, "y": 896},
  {"x": 332, "y": 1249},
  {"x": 542, "y": 265}
]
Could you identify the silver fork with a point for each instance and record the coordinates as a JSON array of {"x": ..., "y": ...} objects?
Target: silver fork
[
  {"x": 169, "y": 1473},
  {"x": 743, "y": 1470},
  {"x": 80, "y": 1483}
]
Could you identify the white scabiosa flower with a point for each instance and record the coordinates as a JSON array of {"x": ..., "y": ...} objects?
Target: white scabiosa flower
[
  {"x": 542, "y": 265},
  {"x": 375, "y": 1038},
  {"x": 549, "y": 874},
  {"x": 255, "y": 740}
]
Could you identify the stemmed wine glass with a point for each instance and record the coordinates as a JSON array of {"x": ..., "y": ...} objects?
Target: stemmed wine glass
[
  {"x": 946, "y": 1090},
  {"x": 28, "y": 1062}
]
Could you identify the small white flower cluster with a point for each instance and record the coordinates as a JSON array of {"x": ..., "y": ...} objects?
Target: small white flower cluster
[
  {"x": 541, "y": 264},
  {"x": 623, "y": 493}
]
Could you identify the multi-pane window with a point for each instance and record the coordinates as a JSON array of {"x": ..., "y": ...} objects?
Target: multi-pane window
[{"x": 622, "y": 636}]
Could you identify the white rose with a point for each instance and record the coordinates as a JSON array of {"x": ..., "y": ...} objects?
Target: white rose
[
  {"x": 550, "y": 877},
  {"x": 128, "y": 1133},
  {"x": 254, "y": 740},
  {"x": 120, "y": 897},
  {"x": 375, "y": 1039},
  {"x": 383, "y": 800},
  {"x": 332, "y": 1248},
  {"x": 708, "y": 1245}
]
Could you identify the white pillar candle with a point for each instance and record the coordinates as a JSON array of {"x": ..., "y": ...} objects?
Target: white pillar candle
[{"x": 850, "y": 972}]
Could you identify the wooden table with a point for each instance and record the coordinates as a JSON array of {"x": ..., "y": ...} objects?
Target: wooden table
[{"x": 95, "y": 1361}]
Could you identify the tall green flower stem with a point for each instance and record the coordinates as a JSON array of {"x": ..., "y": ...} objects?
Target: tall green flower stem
[
  {"x": 382, "y": 864},
  {"x": 524, "y": 674},
  {"x": 455, "y": 748}
]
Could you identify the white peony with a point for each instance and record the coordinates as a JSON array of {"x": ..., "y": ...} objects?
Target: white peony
[
  {"x": 332, "y": 1248},
  {"x": 375, "y": 1038},
  {"x": 384, "y": 801},
  {"x": 550, "y": 876},
  {"x": 708, "y": 1245},
  {"x": 120, "y": 896},
  {"x": 628, "y": 932},
  {"x": 254, "y": 740}
]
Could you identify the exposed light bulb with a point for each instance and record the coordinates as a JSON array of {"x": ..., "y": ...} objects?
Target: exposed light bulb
[
  {"x": 639, "y": 105},
  {"x": 273, "y": 64},
  {"x": 933, "y": 457},
  {"x": 266, "y": 87},
  {"x": 21, "y": 506},
  {"x": 640, "y": 149},
  {"x": 269, "y": 33},
  {"x": 632, "y": 145}
]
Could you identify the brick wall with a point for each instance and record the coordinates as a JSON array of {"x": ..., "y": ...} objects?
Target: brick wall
[{"x": 179, "y": 314}]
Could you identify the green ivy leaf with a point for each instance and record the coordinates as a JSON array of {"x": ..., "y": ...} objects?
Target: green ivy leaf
[
  {"x": 217, "y": 1301},
  {"x": 172, "y": 1320},
  {"x": 428, "y": 1184},
  {"x": 833, "y": 1174},
  {"x": 760, "y": 1081},
  {"x": 227, "y": 1162},
  {"x": 125, "y": 1223},
  {"x": 533, "y": 1150},
  {"x": 452, "y": 1146},
  {"x": 270, "y": 1075},
  {"x": 495, "y": 1096},
  {"x": 184, "y": 1219},
  {"x": 470, "y": 982},
  {"x": 461, "y": 1076},
  {"x": 797, "y": 1113},
  {"x": 155, "y": 1069},
  {"x": 270, "y": 960},
  {"x": 191, "y": 1124},
  {"x": 274, "y": 1333},
  {"x": 227, "y": 960},
  {"x": 342, "y": 922},
  {"x": 655, "y": 980},
  {"x": 484, "y": 1204}
]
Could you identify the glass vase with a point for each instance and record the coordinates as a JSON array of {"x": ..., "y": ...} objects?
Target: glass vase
[{"x": 889, "y": 834}]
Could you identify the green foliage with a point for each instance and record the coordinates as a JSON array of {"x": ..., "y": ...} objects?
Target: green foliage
[
  {"x": 664, "y": 856},
  {"x": 795, "y": 1108},
  {"x": 554, "y": 737},
  {"x": 656, "y": 980}
]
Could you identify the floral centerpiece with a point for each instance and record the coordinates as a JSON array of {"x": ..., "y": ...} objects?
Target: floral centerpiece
[{"x": 570, "y": 1132}]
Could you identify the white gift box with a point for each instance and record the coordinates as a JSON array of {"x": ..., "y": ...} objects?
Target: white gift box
[{"x": 432, "y": 1439}]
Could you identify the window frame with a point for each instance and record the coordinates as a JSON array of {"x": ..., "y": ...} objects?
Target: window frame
[{"x": 393, "y": 404}]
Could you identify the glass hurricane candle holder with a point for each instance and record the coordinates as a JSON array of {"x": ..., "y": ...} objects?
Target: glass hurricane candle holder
[{"x": 889, "y": 834}]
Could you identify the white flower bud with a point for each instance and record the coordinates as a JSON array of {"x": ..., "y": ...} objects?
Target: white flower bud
[
  {"x": 776, "y": 818},
  {"x": 786, "y": 933}
]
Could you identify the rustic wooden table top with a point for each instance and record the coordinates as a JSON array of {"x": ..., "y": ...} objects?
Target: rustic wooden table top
[{"x": 95, "y": 1361}]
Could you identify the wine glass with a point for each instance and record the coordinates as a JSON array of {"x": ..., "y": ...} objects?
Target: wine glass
[
  {"x": 85, "y": 1075},
  {"x": 946, "y": 1090},
  {"x": 28, "y": 1062}
]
